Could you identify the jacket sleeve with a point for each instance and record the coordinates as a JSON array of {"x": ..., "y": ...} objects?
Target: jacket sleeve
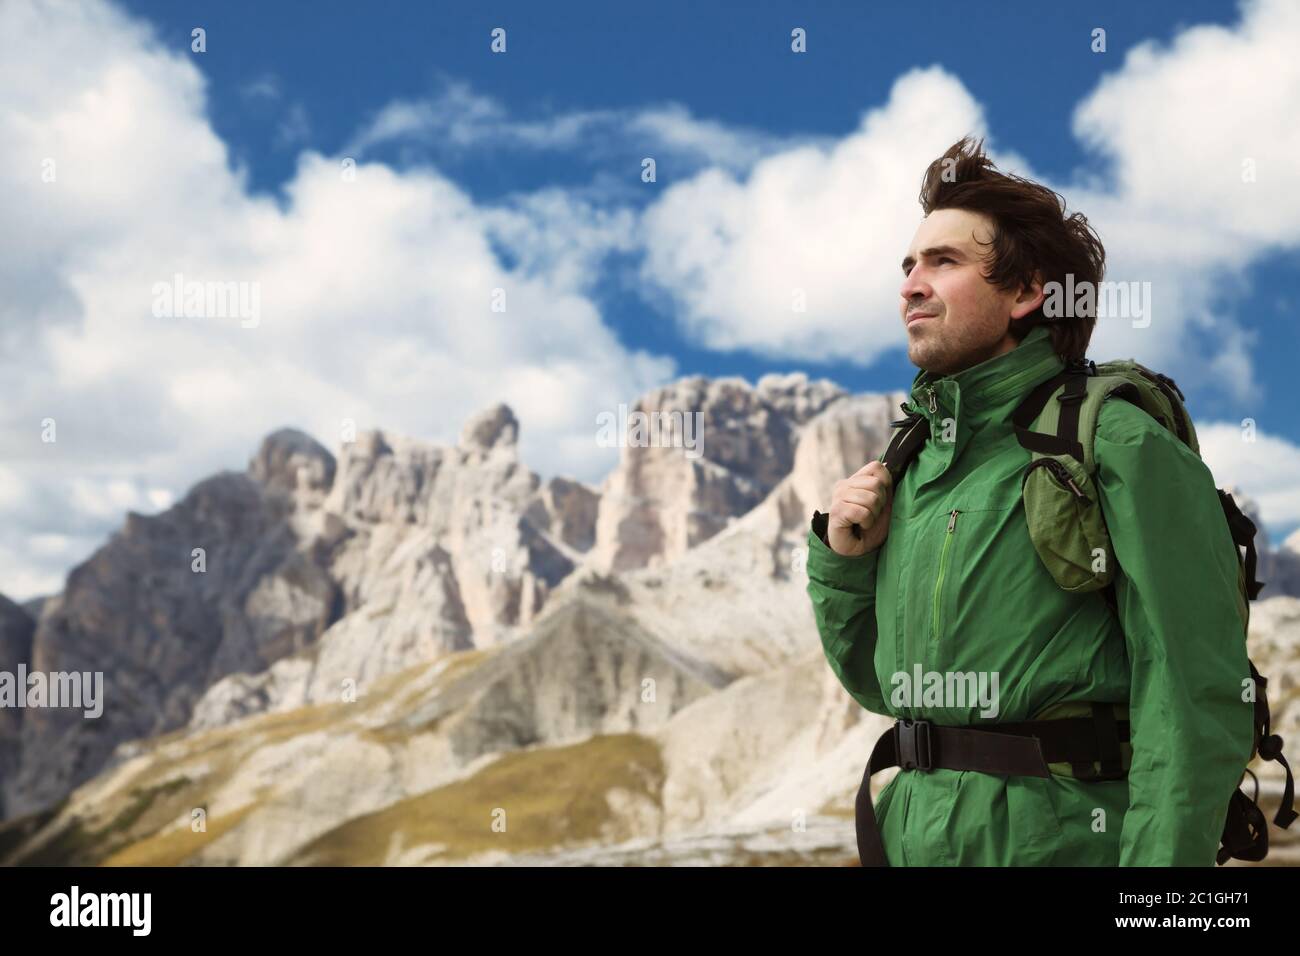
[
  {"x": 843, "y": 593},
  {"x": 1185, "y": 629}
]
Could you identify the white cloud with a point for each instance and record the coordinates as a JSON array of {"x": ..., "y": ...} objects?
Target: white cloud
[
  {"x": 294, "y": 128},
  {"x": 554, "y": 233},
  {"x": 104, "y": 499},
  {"x": 830, "y": 224},
  {"x": 375, "y": 296},
  {"x": 1264, "y": 465},
  {"x": 264, "y": 87},
  {"x": 1183, "y": 129},
  {"x": 1179, "y": 121},
  {"x": 13, "y": 490},
  {"x": 457, "y": 117},
  {"x": 1173, "y": 125}
]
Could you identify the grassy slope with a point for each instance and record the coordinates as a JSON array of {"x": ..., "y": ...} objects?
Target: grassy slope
[{"x": 551, "y": 797}]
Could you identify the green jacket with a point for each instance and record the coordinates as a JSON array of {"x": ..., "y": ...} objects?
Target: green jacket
[{"x": 968, "y": 593}]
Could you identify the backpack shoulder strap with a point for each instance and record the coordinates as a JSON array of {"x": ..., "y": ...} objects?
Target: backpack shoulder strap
[
  {"x": 907, "y": 441},
  {"x": 1057, "y": 423},
  {"x": 1059, "y": 417}
]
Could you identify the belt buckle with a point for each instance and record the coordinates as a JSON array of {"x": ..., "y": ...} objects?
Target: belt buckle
[{"x": 912, "y": 743}]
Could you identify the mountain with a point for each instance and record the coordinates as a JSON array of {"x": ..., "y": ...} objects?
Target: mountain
[
  {"x": 16, "y": 628},
  {"x": 413, "y": 653}
]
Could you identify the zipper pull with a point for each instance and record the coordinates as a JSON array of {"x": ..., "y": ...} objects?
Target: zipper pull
[
  {"x": 952, "y": 520},
  {"x": 933, "y": 405},
  {"x": 1064, "y": 474}
]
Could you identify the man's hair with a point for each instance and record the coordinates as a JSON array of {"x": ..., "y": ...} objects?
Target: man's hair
[{"x": 1031, "y": 234}]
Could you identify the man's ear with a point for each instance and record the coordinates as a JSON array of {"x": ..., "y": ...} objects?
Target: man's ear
[{"x": 1029, "y": 298}]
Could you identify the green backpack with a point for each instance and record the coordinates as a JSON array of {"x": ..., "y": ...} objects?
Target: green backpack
[{"x": 1056, "y": 423}]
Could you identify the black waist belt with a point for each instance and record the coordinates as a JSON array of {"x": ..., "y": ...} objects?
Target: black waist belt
[{"x": 1024, "y": 747}]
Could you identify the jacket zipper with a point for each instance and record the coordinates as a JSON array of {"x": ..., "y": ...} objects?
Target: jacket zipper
[
  {"x": 933, "y": 405},
  {"x": 943, "y": 566}
]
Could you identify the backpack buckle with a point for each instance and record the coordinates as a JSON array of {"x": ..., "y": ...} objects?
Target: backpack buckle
[
  {"x": 911, "y": 417},
  {"x": 912, "y": 744}
]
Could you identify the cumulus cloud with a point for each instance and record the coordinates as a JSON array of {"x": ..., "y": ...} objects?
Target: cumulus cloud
[
  {"x": 376, "y": 293},
  {"x": 1264, "y": 465},
  {"x": 798, "y": 256},
  {"x": 1199, "y": 184}
]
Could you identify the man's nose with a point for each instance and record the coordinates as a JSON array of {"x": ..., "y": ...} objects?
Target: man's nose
[{"x": 914, "y": 287}]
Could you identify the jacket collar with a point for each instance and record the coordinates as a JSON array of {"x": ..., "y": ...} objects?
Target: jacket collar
[{"x": 993, "y": 387}]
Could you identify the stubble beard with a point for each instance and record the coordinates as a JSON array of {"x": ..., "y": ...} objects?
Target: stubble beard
[{"x": 937, "y": 353}]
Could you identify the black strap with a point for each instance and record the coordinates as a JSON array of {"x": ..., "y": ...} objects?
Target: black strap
[
  {"x": 1243, "y": 536},
  {"x": 1167, "y": 385},
  {"x": 1245, "y": 831},
  {"x": 1019, "y": 747},
  {"x": 1071, "y": 399},
  {"x": 1107, "y": 741},
  {"x": 907, "y": 441},
  {"x": 913, "y": 430},
  {"x": 1270, "y": 747},
  {"x": 1066, "y": 439}
]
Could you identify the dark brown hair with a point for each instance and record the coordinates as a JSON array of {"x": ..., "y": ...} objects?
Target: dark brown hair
[{"x": 1031, "y": 234}]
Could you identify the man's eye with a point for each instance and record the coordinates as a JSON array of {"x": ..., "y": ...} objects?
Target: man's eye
[{"x": 941, "y": 259}]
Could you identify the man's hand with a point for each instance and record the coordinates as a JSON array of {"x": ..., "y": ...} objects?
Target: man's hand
[{"x": 865, "y": 498}]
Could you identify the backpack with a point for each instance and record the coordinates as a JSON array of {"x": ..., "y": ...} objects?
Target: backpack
[{"x": 1056, "y": 423}]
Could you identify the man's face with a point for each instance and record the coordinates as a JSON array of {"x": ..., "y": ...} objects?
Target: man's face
[{"x": 943, "y": 278}]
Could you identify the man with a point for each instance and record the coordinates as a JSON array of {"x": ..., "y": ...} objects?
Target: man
[{"x": 941, "y": 577}]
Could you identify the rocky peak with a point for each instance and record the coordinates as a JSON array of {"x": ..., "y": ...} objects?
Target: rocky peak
[
  {"x": 795, "y": 397},
  {"x": 214, "y": 585},
  {"x": 293, "y": 462},
  {"x": 493, "y": 428},
  {"x": 672, "y": 491},
  {"x": 385, "y": 478}
]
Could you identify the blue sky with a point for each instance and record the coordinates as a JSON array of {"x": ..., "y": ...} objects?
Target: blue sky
[
  {"x": 535, "y": 156},
  {"x": 1028, "y": 63}
]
